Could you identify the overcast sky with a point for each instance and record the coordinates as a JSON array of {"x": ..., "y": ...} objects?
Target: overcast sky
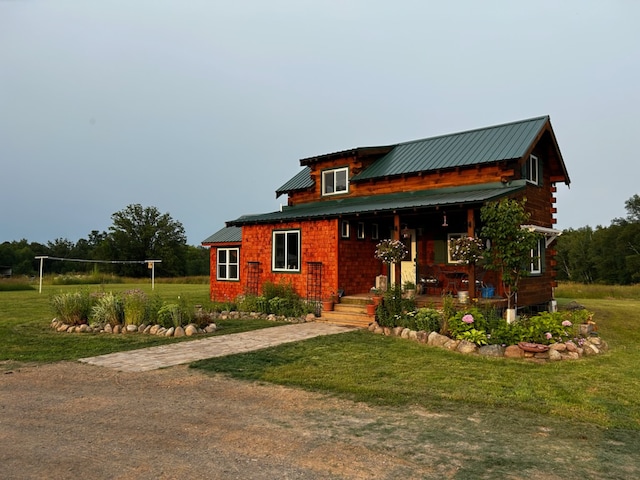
[{"x": 203, "y": 109}]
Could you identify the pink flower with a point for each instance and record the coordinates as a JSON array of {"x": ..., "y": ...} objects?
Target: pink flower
[
  {"x": 566, "y": 323},
  {"x": 548, "y": 335},
  {"x": 468, "y": 318}
]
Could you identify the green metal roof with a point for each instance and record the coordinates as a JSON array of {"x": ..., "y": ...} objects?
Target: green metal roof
[
  {"x": 485, "y": 145},
  {"x": 468, "y": 194},
  {"x": 230, "y": 234},
  {"x": 301, "y": 181}
]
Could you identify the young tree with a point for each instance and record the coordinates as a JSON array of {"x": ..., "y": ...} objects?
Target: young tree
[
  {"x": 510, "y": 245},
  {"x": 143, "y": 233}
]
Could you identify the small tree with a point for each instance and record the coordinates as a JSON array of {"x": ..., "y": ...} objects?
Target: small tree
[{"x": 510, "y": 245}]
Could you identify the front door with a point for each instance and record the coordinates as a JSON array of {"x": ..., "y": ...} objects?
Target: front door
[{"x": 408, "y": 265}]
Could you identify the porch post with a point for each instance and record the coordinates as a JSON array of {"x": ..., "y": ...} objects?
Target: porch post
[
  {"x": 471, "y": 228},
  {"x": 396, "y": 236}
]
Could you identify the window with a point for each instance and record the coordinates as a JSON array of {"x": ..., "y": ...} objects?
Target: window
[
  {"x": 536, "y": 258},
  {"x": 360, "y": 230},
  {"x": 374, "y": 232},
  {"x": 335, "y": 181},
  {"x": 450, "y": 237},
  {"x": 228, "y": 261},
  {"x": 533, "y": 170},
  {"x": 286, "y": 251},
  {"x": 344, "y": 229}
]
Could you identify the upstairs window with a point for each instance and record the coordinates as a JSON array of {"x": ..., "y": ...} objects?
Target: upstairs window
[
  {"x": 227, "y": 268},
  {"x": 335, "y": 181},
  {"x": 286, "y": 251},
  {"x": 533, "y": 170}
]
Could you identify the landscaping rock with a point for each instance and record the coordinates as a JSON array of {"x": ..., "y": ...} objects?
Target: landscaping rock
[
  {"x": 212, "y": 327},
  {"x": 379, "y": 330},
  {"x": 191, "y": 330},
  {"x": 178, "y": 332},
  {"x": 154, "y": 330},
  {"x": 116, "y": 329},
  {"x": 590, "y": 350},
  {"x": 554, "y": 355},
  {"x": 147, "y": 330},
  {"x": 413, "y": 335},
  {"x": 169, "y": 333},
  {"x": 467, "y": 347},
  {"x": 310, "y": 317},
  {"x": 108, "y": 328},
  {"x": 451, "y": 345},
  {"x": 571, "y": 347},
  {"x": 422, "y": 336},
  {"x": 437, "y": 340},
  {"x": 372, "y": 326},
  {"x": 558, "y": 347},
  {"x": 397, "y": 331},
  {"x": 405, "y": 333},
  {"x": 513, "y": 351},
  {"x": 132, "y": 328},
  {"x": 491, "y": 350}
]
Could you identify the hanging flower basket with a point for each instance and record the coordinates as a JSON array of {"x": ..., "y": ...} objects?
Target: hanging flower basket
[
  {"x": 466, "y": 249},
  {"x": 391, "y": 251}
]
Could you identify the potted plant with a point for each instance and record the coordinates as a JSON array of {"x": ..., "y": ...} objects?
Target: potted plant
[
  {"x": 376, "y": 297},
  {"x": 327, "y": 303},
  {"x": 371, "y": 308},
  {"x": 467, "y": 250},
  {"x": 409, "y": 289}
]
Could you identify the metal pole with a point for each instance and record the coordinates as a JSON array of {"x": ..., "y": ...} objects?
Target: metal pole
[
  {"x": 152, "y": 266},
  {"x": 41, "y": 268}
]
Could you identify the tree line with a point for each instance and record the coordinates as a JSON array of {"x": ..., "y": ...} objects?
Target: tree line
[
  {"x": 137, "y": 233},
  {"x": 609, "y": 255}
]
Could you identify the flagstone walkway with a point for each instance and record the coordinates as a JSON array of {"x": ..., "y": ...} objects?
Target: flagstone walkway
[{"x": 163, "y": 356}]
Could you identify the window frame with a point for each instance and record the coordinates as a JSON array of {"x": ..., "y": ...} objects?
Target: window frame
[
  {"x": 375, "y": 231},
  {"x": 298, "y": 251},
  {"x": 227, "y": 264},
  {"x": 360, "y": 231},
  {"x": 334, "y": 172},
  {"x": 453, "y": 236},
  {"x": 345, "y": 229},
  {"x": 536, "y": 256},
  {"x": 533, "y": 166}
]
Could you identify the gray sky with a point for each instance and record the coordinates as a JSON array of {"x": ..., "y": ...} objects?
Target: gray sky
[{"x": 202, "y": 109}]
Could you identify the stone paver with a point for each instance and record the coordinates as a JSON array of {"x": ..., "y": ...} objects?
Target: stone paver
[{"x": 185, "y": 352}]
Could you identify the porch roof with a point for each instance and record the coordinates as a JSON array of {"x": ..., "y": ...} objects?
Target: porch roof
[
  {"x": 463, "y": 195},
  {"x": 227, "y": 234}
]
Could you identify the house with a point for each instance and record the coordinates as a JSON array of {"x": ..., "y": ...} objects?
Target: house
[{"x": 423, "y": 192}]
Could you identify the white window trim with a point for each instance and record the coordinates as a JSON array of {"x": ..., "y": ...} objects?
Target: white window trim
[
  {"x": 533, "y": 166},
  {"x": 453, "y": 236},
  {"x": 535, "y": 268},
  {"x": 375, "y": 235},
  {"x": 345, "y": 229},
  {"x": 228, "y": 264},
  {"x": 273, "y": 250},
  {"x": 334, "y": 171}
]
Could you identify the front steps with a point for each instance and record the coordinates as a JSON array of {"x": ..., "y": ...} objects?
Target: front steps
[{"x": 351, "y": 312}]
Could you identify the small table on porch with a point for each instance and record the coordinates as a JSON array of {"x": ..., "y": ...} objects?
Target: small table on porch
[{"x": 453, "y": 281}]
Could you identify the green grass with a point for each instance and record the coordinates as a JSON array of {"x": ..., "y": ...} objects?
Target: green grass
[
  {"x": 25, "y": 335},
  {"x": 602, "y": 390}
]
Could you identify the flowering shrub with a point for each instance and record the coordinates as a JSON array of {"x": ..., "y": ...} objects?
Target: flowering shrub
[
  {"x": 466, "y": 249},
  {"x": 391, "y": 251},
  {"x": 466, "y": 321}
]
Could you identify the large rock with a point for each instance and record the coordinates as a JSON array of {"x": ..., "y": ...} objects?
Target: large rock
[
  {"x": 405, "y": 333},
  {"x": 132, "y": 328},
  {"x": 154, "y": 329},
  {"x": 397, "y": 331},
  {"x": 559, "y": 347},
  {"x": 513, "y": 351},
  {"x": 590, "y": 349},
  {"x": 190, "y": 330},
  {"x": 178, "y": 332},
  {"x": 467, "y": 347},
  {"x": 491, "y": 350},
  {"x": 451, "y": 344},
  {"x": 169, "y": 333},
  {"x": 437, "y": 340},
  {"x": 422, "y": 336},
  {"x": 554, "y": 355}
]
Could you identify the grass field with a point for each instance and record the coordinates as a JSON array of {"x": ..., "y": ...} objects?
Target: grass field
[
  {"x": 572, "y": 419},
  {"x": 25, "y": 316}
]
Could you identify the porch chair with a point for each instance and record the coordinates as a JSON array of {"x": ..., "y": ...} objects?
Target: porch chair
[{"x": 430, "y": 279}]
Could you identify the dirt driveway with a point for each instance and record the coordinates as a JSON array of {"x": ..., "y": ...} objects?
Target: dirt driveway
[{"x": 71, "y": 420}]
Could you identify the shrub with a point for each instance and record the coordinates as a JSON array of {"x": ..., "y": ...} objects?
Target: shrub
[
  {"x": 394, "y": 310},
  {"x": 135, "y": 307},
  {"x": 428, "y": 319},
  {"x": 108, "y": 309},
  {"x": 72, "y": 308}
]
